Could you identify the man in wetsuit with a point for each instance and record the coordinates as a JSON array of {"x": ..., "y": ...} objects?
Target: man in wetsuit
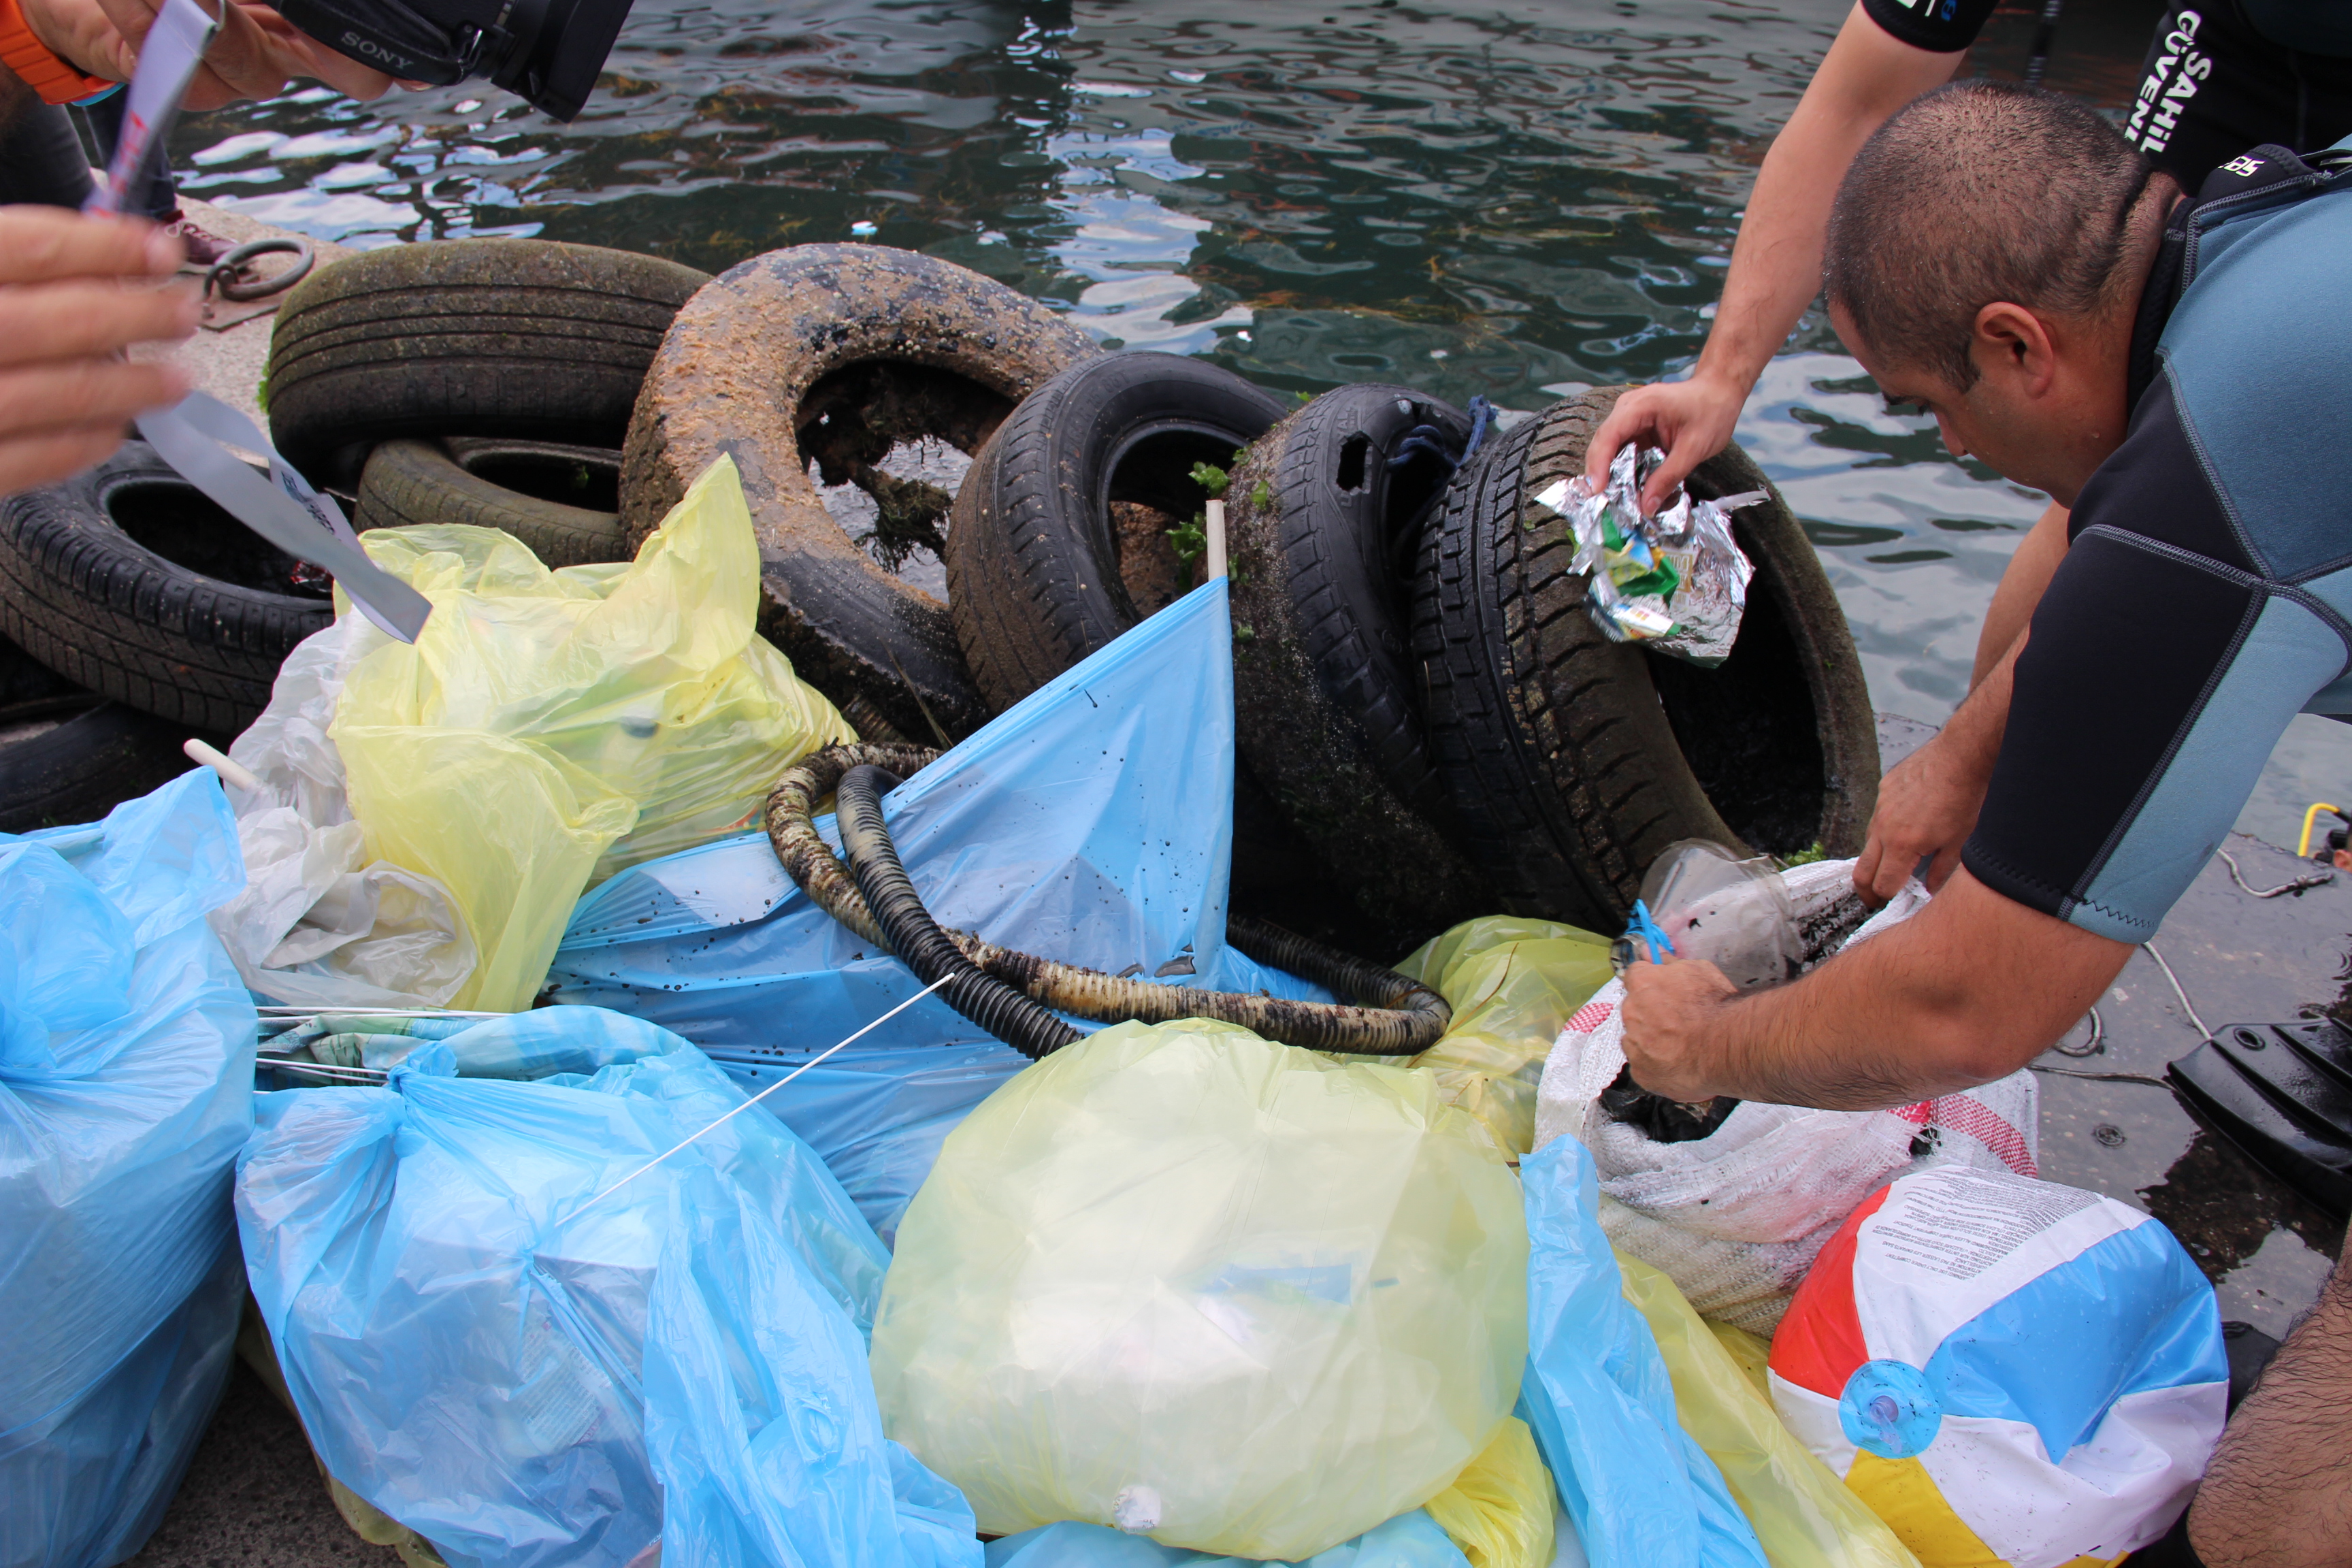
[
  {"x": 2179, "y": 372},
  {"x": 2221, "y": 76}
]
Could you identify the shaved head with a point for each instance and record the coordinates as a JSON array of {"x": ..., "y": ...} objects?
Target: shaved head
[{"x": 1980, "y": 192}]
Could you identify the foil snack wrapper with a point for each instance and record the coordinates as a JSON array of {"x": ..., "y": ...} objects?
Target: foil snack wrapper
[{"x": 1675, "y": 581}]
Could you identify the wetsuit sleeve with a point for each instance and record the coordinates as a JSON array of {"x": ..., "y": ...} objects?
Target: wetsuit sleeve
[
  {"x": 1939, "y": 27},
  {"x": 2159, "y": 674}
]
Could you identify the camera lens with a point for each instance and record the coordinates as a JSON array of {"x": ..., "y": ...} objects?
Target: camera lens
[{"x": 555, "y": 63}]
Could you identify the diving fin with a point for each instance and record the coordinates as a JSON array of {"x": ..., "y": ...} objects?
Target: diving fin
[{"x": 2283, "y": 1094}]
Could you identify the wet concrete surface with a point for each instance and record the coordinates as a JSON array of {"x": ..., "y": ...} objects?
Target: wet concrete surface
[{"x": 2109, "y": 1124}]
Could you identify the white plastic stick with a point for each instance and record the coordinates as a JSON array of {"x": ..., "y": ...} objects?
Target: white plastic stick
[
  {"x": 230, "y": 769},
  {"x": 1216, "y": 540},
  {"x": 755, "y": 1100}
]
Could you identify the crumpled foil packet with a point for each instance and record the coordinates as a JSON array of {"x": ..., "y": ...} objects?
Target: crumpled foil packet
[{"x": 1675, "y": 581}]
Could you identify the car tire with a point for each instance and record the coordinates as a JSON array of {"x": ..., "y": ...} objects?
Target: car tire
[
  {"x": 68, "y": 755},
  {"x": 1324, "y": 703},
  {"x": 519, "y": 338},
  {"x": 1573, "y": 760},
  {"x": 129, "y": 582},
  {"x": 833, "y": 353},
  {"x": 560, "y": 500},
  {"x": 1036, "y": 575}
]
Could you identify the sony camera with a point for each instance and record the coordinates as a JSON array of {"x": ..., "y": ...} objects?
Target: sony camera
[{"x": 546, "y": 52}]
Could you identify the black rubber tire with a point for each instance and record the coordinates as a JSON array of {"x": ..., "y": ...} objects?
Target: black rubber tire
[
  {"x": 1033, "y": 569},
  {"x": 836, "y": 352},
  {"x": 195, "y": 637},
  {"x": 1039, "y": 575},
  {"x": 1573, "y": 760},
  {"x": 68, "y": 755},
  {"x": 487, "y": 337},
  {"x": 509, "y": 485},
  {"x": 1327, "y": 715}
]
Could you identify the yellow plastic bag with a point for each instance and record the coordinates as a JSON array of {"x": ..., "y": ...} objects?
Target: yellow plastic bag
[
  {"x": 1500, "y": 1510},
  {"x": 1513, "y": 984},
  {"x": 1189, "y": 1283},
  {"x": 551, "y": 728},
  {"x": 1803, "y": 1515}
]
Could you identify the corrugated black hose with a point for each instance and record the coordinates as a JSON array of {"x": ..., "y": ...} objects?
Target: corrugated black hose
[
  {"x": 1386, "y": 1016},
  {"x": 917, "y": 938}
]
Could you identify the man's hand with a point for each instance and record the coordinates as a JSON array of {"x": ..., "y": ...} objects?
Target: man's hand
[
  {"x": 74, "y": 293},
  {"x": 1926, "y": 806},
  {"x": 1672, "y": 1013},
  {"x": 254, "y": 54},
  {"x": 1693, "y": 420}
]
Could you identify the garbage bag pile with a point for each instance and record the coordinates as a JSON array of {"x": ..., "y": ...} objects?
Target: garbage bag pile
[
  {"x": 126, "y": 1091},
  {"x": 511, "y": 1323},
  {"x": 607, "y": 1201}
]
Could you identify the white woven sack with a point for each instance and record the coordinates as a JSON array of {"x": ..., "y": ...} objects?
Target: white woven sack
[{"x": 1737, "y": 1217}]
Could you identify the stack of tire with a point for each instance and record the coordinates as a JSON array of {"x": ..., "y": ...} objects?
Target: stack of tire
[
  {"x": 1429, "y": 726},
  {"x": 1429, "y": 720}
]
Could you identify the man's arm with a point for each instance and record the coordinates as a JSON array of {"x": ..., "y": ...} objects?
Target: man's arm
[
  {"x": 2029, "y": 571},
  {"x": 1776, "y": 263},
  {"x": 254, "y": 54},
  {"x": 1969, "y": 989},
  {"x": 2278, "y": 1493}
]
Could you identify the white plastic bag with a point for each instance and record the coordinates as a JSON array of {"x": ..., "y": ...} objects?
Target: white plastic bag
[
  {"x": 1737, "y": 1219},
  {"x": 319, "y": 923}
]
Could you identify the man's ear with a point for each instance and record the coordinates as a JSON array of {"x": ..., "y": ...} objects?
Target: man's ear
[{"x": 2013, "y": 343}]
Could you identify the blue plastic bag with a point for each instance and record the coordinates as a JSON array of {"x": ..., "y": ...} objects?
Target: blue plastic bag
[
  {"x": 1092, "y": 822},
  {"x": 528, "y": 1373},
  {"x": 878, "y": 1118},
  {"x": 1640, "y": 1492},
  {"x": 126, "y": 1089}
]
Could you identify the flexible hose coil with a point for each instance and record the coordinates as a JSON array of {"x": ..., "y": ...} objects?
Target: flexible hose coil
[
  {"x": 1389, "y": 1016},
  {"x": 916, "y": 938}
]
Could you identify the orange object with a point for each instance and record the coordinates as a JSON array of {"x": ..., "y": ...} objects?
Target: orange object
[{"x": 37, "y": 65}]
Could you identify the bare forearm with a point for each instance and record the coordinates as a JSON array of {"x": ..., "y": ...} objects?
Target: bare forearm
[
  {"x": 2279, "y": 1489},
  {"x": 1776, "y": 264},
  {"x": 2022, "y": 584},
  {"x": 1969, "y": 989}
]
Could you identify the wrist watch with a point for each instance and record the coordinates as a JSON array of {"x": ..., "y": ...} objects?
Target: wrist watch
[{"x": 38, "y": 66}]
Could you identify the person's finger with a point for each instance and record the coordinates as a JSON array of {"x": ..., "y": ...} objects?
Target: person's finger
[
  {"x": 78, "y": 393},
  {"x": 44, "y": 322},
  {"x": 1630, "y": 419},
  {"x": 41, "y": 244},
  {"x": 1940, "y": 869},
  {"x": 1866, "y": 869},
  {"x": 28, "y": 461},
  {"x": 1894, "y": 863},
  {"x": 1682, "y": 457},
  {"x": 301, "y": 55}
]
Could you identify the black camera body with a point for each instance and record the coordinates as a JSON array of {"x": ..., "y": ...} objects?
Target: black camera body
[{"x": 547, "y": 52}]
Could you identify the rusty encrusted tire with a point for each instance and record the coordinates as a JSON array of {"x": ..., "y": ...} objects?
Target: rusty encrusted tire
[
  {"x": 522, "y": 338},
  {"x": 1573, "y": 760},
  {"x": 834, "y": 352},
  {"x": 558, "y": 499},
  {"x": 1322, "y": 535}
]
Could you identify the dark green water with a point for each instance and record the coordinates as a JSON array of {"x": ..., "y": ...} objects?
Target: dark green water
[{"x": 1518, "y": 199}]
